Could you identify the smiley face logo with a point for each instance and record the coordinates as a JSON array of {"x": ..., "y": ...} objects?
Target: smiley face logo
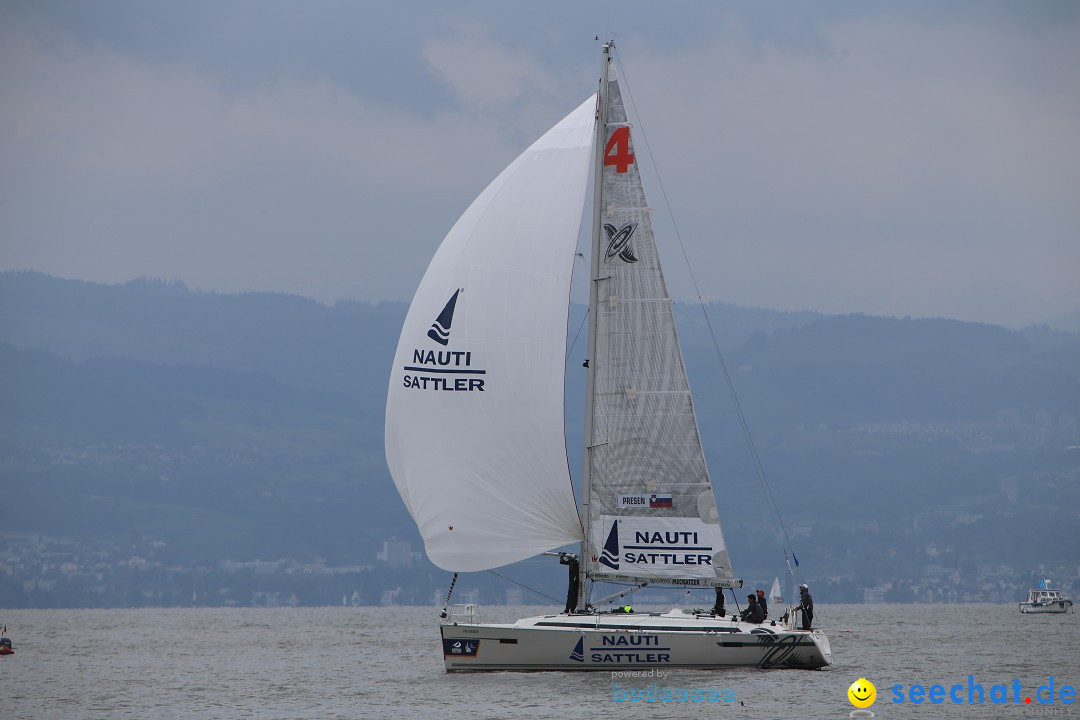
[{"x": 862, "y": 693}]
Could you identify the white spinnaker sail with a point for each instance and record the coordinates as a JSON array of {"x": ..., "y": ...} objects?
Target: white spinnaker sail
[
  {"x": 652, "y": 512},
  {"x": 474, "y": 413}
]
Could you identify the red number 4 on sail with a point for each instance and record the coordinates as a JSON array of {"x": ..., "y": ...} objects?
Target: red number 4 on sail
[{"x": 617, "y": 152}]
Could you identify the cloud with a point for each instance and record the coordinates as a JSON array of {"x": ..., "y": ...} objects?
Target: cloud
[
  {"x": 117, "y": 166},
  {"x": 895, "y": 170},
  {"x": 877, "y": 164},
  {"x": 485, "y": 74}
]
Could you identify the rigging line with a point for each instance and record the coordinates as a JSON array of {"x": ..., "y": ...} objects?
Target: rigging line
[
  {"x": 576, "y": 336},
  {"x": 446, "y": 603},
  {"x": 694, "y": 596},
  {"x": 770, "y": 500},
  {"x": 526, "y": 587}
]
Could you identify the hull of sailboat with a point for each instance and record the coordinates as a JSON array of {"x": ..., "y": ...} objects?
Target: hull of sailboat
[{"x": 628, "y": 642}]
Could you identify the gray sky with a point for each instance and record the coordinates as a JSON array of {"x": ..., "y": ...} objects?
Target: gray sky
[{"x": 887, "y": 158}]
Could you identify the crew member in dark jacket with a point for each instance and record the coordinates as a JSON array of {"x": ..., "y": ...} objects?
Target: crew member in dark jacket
[
  {"x": 752, "y": 613},
  {"x": 718, "y": 608},
  {"x": 806, "y": 604},
  {"x": 764, "y": 603}
]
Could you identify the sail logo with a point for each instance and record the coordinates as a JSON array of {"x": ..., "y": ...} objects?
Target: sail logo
[
  {"x": 676, "y": 550},
  {"x": 668, "y": 547},
  {"x": 619, "y": 242},
  {"x": 610, "y": 554},
  {"x": 444, "y": 370},
  {"x": 440, "y": 329},
  {"x": 578, "y": 653}
]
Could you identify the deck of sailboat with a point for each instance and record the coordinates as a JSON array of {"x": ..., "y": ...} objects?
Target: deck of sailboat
[{"x": 671, "y": 621}]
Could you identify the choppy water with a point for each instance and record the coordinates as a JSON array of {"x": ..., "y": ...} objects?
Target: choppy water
[{"x": 386, "y": 663}]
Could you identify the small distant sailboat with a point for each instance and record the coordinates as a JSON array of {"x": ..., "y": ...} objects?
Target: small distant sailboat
[
  {"x": 475, "y": 421},
  {"x": 776, "y": 599},
  {"x": 1044, "y": 600},
  {"x": 5, "y": 642}
]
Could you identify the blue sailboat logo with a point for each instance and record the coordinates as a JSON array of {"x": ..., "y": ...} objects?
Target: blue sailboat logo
[
  {"x": 610, "y": 554},
  {"x": 578, "y": 654},
  {"x": 440, "y": 329}
]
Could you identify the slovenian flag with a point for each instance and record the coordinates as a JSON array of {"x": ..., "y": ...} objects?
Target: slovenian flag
[{"x": 659, "y": 501}]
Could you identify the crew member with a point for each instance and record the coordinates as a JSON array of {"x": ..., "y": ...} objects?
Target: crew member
[
  {"x": 718, "y": 608},
  {"x": 806, "y": 604},
  {"x": 752, "y": 613}
]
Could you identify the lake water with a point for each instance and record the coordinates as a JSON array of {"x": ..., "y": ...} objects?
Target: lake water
[{"x": 386, "y": 663}]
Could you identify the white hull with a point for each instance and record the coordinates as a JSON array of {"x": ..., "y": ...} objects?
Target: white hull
[
  {"x": 1044, "y": 600},
  {"x": 1058, "y": 606},
  {"x": 633, "y": 641}
]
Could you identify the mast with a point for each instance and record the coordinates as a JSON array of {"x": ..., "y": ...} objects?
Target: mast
[{"x": 594, "y": 276}]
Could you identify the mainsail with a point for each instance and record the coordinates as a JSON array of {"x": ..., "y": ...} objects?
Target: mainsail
[
  {"x": 474, "y": 414},
  {"x": 652, "y": 514}
]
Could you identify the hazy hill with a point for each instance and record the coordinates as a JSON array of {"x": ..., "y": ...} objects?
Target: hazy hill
[
  {"x": 250, "y": 426},
  {"x": 289, "y": 338},
  {"x": 856, "y": 368}
]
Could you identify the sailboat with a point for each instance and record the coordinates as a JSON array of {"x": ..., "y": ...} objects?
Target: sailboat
[
  {"x": 475, "y": 437},
  {"x": 6, "y": 648},
  {"x": 776, "y": 598}
]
